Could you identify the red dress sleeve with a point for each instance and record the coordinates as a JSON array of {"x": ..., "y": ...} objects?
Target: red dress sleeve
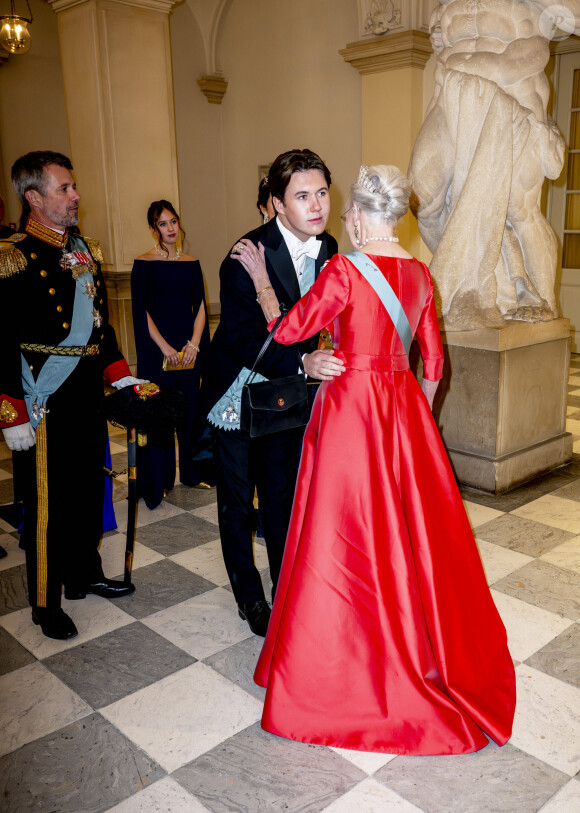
[
  {"x": 429, "y": 338},
  {"x": 320, "y": 306}
]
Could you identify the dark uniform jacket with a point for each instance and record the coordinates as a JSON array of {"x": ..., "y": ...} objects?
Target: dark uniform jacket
[
  {"x": 242, "y": 329},
  {"x": 36, "y": 306}
]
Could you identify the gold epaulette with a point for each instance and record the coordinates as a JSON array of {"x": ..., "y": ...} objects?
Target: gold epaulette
[
  {"x": 12, "y": 260},
  {"x": 95, "y": 249}
]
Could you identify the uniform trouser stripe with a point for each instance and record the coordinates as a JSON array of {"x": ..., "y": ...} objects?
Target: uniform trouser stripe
[{"x": 42, "y": 515}]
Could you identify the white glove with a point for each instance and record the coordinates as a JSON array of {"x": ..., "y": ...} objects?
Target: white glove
[
  {"x": 128, "y": 381},
  {"x": 19, "y": 438}
]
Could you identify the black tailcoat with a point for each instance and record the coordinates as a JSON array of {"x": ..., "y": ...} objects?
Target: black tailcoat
[{"x": 268, "y": 464}]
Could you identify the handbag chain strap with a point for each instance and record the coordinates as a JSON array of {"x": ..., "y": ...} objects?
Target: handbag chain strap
[{"x": 267, "y": 343}]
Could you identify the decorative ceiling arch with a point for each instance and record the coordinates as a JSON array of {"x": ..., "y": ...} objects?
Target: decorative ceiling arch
[{"x": 210, "y": 16}]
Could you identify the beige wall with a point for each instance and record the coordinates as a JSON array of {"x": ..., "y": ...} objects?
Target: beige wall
[
  {"x": 293, "y": 90},
  {"x": 199, "y": 151},
  {"x": 32, "y": 105}
]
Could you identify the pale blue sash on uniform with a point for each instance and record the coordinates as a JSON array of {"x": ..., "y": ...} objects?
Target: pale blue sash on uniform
[
  {"x": 57, "y": 369},
  {"x": 373, "y": 275}
]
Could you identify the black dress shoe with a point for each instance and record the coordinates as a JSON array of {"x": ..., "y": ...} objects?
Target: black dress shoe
[
  {"x": 3, "y": 552},
  {"x": 106, "y": 588},
  {"x": 257, "y": 614},
  {"x": 54, "y": 623}
]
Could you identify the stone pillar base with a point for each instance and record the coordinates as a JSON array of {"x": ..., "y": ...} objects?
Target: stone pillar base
[{"x": 501, "y": 408}]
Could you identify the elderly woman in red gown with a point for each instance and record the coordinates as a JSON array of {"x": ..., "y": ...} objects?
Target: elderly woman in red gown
[{"x": 383, "y": 635}]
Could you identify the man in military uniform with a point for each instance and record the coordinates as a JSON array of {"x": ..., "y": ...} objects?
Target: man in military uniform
[{"x": 57, "y": 344}]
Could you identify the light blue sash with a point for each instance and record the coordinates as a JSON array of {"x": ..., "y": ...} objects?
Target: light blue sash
[
  {"x": 372, "y": 273},
  {"x": 57, "y": 369},
  {"x": 307, "y": 279}
]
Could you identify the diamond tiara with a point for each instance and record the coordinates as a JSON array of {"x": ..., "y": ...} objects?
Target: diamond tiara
[{"x": 368, "y": 183}]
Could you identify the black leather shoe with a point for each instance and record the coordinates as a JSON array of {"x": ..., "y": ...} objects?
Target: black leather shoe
[
  {"x": 106, "y": 588},
  {"x": 54, "y": 623},
  {"x": 257, "y": 614},
  {"x": 3, "y": 552}
]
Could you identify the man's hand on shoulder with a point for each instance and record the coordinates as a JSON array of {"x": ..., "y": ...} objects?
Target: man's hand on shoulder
[
  {"x": 322, "y": 365},
  {"x": 19, "y": 438}
]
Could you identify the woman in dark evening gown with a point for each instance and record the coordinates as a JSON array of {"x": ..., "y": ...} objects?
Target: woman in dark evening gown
[
  {"x": 169, "y": 319},
  {"x": 383, "y": 635}
]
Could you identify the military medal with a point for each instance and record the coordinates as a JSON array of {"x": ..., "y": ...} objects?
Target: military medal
[
  {"x": 97, "y": 318},
  {"x": 90, "y": 290},
  {"x": 230, "y": 415}
]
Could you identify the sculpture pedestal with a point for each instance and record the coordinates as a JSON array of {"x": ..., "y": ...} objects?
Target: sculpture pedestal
[{"x": 501, "y": 407}]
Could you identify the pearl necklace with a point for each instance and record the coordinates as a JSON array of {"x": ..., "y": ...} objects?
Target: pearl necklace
[
  {"x": 177, "y": 253},
  {"x": 377, "y": 239}
]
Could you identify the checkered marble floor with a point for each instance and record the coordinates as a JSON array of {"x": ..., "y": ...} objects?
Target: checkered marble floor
[{"x": 153, "y": 707}]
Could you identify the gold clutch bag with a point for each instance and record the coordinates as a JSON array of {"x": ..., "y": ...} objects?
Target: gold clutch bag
[{"x": 167, "y": 367}]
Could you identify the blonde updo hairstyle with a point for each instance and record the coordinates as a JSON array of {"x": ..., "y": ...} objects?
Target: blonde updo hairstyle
[{"x": 382, "y": 193}]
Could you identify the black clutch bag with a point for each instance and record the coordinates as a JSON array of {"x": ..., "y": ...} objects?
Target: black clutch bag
[{"x": 276, "y": 405}]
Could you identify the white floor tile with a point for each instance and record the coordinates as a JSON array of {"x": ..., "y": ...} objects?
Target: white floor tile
[
  {"x": 165, "y": 796},
  {"x": 205, "y": 560},
  {"x": 5, "y": 526},
  {"x": 498, "y": 561},
  {"x": 208, "y": 512},
  {"x": 184, "y": 715},
  {"x": 144, "y": 515},
  {"x": 567, "y": 800},
  {"x": 566, "y": 555},
  {"x": 479, "y": 514},
  {"x": 555, "y": 511},
  {"x": 576, "y": 447},
  {"x": 33, "y": 703},
  {"x": 112, "y": 552},
  {"x": 369, "y": 796},
  {"x": 528, "y": 628},
  {"x": 15, "y": 556},
  {"x": 93, "y": 616},
  {"x": 365, "y": 760},
  {"x": 573, "y": 425},
  {"x": 5, "y": 475},
  {"x": 547, "y": 721},
  {"x": 203, "y": 625}
]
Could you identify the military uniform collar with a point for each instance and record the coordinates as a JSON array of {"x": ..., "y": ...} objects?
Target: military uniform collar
[{"x": 45, "y": 233}]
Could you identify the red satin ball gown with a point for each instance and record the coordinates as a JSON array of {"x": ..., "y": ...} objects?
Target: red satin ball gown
[{"x": 383, "y": 635}]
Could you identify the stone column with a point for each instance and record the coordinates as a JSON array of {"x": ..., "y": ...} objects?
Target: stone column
[
  {"x": 116, "y": 59},
  {"x": 391, "y": 67}
]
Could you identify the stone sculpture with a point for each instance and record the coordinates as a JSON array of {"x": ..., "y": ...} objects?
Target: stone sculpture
[{"x": 481, "y": 156}]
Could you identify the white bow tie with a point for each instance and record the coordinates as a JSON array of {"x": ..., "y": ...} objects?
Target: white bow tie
[{"x": 311, "y": 248}]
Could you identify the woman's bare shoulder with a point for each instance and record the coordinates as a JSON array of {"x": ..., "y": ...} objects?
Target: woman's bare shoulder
[
  {"x": 188, "y": 257},
  {"x": 148, "y": 256}
]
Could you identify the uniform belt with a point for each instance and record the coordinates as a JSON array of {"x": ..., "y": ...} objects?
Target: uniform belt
[{"x": 60, "y": 350}]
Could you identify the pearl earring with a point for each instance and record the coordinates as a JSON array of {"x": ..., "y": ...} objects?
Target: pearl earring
[{"x": 356, "y": 234}]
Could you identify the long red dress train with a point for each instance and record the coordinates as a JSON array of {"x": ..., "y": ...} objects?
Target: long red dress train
[{"x": 383, "y": 635}]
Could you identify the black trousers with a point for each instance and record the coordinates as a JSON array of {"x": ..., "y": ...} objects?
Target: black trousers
[
  {"x": 63, "y": 489},
  {"x": 270, "y": 465}
]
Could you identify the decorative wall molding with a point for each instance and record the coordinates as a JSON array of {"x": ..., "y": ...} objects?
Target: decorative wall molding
[
  {"x": 569, "y": 45},
  {"x": 398, "y": 50},
  {"x": 213, "y": 88},
  {"x": 379, "y": 17},
  {"x": 152, "y": 5}
]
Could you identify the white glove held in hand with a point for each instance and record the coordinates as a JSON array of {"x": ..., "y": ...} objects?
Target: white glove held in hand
[
  {"x": 128, "y": 381},
  {"x": 19, "y": 438}
]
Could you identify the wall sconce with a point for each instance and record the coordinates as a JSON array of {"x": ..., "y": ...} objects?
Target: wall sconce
[{"x": 14, "y": 36}]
